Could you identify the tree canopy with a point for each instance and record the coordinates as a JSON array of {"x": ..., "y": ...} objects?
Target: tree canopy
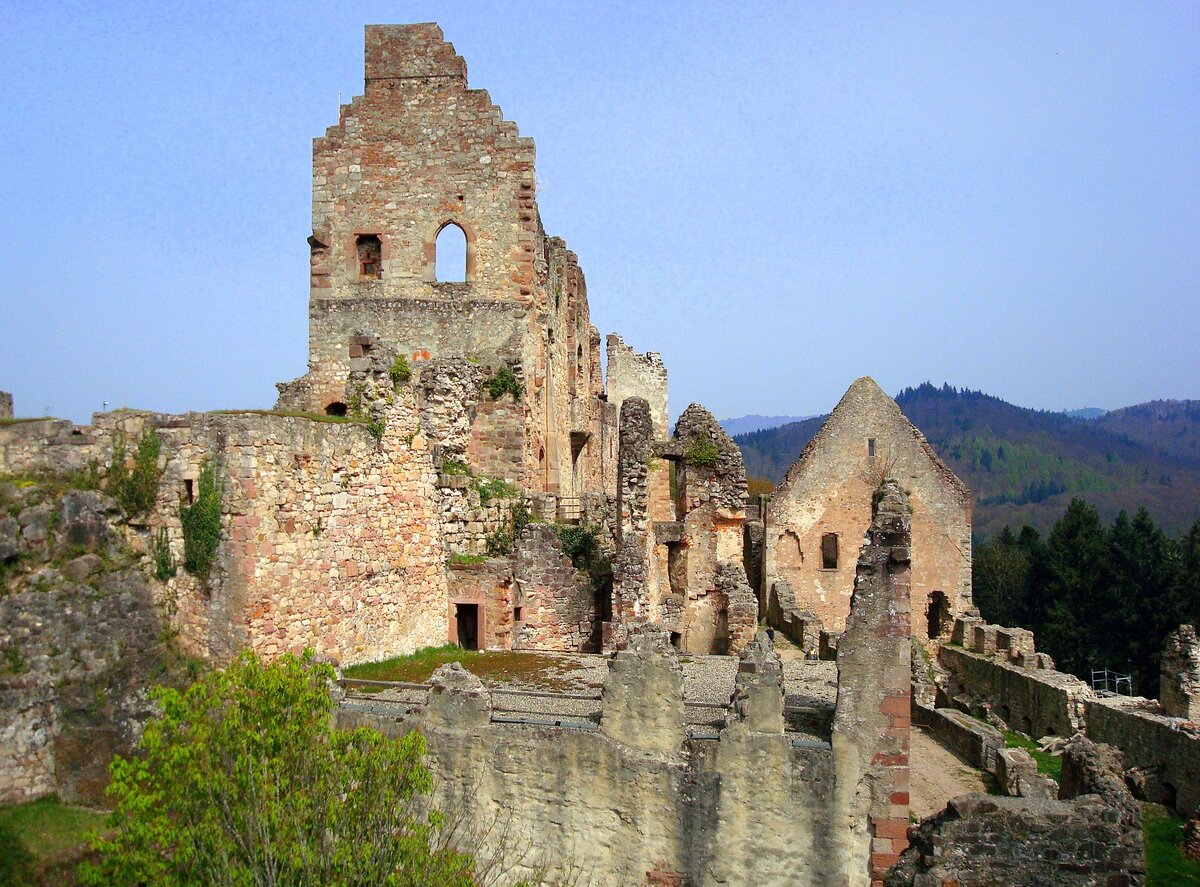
[{"x": 1096, "y": 597}]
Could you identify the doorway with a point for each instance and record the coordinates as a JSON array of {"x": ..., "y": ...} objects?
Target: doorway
[{"x": 466, "y": 624}]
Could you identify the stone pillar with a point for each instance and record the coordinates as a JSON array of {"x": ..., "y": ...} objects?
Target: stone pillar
[
  {"x": 1179, "y": 680},
  {"x": 642, "y": 701},
  {"x": 872, "y": 718},
  {"x": 758, "y": 689},
  {"x": 6, "y": 405}
]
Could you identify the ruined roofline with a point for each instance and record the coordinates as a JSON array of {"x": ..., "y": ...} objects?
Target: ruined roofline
[
  {"x": 650, "y": 358},
  {"x": 871, "y": 387},
  {"x": 416, "y": 52}
]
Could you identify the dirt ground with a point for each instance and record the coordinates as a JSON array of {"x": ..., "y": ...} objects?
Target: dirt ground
[{"x": 937, "y": 774}]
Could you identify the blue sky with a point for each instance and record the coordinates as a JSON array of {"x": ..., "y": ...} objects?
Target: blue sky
[{"x": 777, "y": 197}]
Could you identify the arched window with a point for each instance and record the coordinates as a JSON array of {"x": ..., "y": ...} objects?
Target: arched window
[
  {"x": 450, "y": 262},
  {"x": 370, "y": 256}
]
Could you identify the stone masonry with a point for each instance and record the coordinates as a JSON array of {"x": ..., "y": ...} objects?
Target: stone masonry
[
  {"x": 1180, "y": 680},
  {"x": 6, "y": 405},
  {"x": 822, "y": 507},
  {"x": 872, "y": 721}
]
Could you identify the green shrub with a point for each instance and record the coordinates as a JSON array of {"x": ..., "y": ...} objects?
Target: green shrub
[
  {"x": 375, "y": 428},
  {"x": 501, "y": 542},
  {"x": 400, "y": 372},
  {"x": 164, "y": 561},
  {"x": 490, "y": 488},
  {"x": 243, "y": 779},
  {"x": 202, "y": 524},
  {"x": 504, "y": 381},
  {"x": 135, "y": 490},
  {"x": 455, "y": 467},
  {"x": 579, "y": 543},
  {"x": 702, "y": 451}
]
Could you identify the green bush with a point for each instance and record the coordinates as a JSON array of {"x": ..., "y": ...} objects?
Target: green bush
[
  {"x": 202, "y": 524},
  {"x": 135, "y": 490},
  {"x": 579, "y": 543},
  {"x": 164, "y": 561},
  {"x": 504, "y": 381},
  {"x": 243, "y": 779},
  {"x": 375, "y": 428},
  {"x": 400, "y": 372},
  {"x": 502, "y": 542},
  {"x": 702, "y": 451}
]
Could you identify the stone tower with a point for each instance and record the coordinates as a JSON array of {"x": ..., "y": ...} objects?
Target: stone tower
[{"x": 417, "y": 158}]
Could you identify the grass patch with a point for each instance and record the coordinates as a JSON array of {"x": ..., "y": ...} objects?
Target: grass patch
[
  {"x": 1050, "y": 765},
  {"x": 40, "y": 841},
  {"x": 459, "y": 558},
  {"x": 8, "y": 421},
  {"x": 499, "y": 667},
  {"x": 1165, "y": 862},
  {"x": 455, "y": 468}
]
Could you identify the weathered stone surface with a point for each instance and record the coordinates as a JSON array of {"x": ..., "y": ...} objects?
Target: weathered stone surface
[
  {"x": 981, "y": 841},
  {"x": 557, "y": 601},
  {"x": 6, "y": 405},
  {"x": 827, "y": 493},
  {"x": 872, "y": 720},
  {"x": 1017, "y": 775},
  {"x": 1179, "y": 683}
]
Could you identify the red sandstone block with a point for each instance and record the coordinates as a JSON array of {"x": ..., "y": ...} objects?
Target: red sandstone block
[
  {"x": 881, "y": 862},
  {"x": 899, "y": 798},
  {"x": 890, "y": 828},
  {"x": 896, "y": 705},
  {"x": 893, "y": 760}
]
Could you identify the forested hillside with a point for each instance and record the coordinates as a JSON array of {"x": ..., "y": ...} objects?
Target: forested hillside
[{"x": 1024, "y": 466}]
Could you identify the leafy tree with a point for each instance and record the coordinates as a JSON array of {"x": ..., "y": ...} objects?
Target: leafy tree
[{"x": 242, "y": 780}]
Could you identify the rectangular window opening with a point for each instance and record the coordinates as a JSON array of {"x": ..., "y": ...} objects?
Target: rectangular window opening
[
  {"x": 829, "y": 551},
  {"x": 870, "y": 448}
]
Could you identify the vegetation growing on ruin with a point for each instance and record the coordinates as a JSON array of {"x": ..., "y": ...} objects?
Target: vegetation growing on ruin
[
  {"x": 579, "y": 542},
  {"x": 164, "y": 561},
  {"x": 1166, "y": 866},
  {"x": 242, "y": 779},
  {"x": 464, "y": 559},
  {"x": 135, "y": 489},
  {"x": 702, "y": 451},
  {"x": 505, "y": 381},
  {"x": 1095, "y": 596},
  {"x": 400, "y": 371},
  {"x": 491, "y": 666},
  {"x": 1048, "y": 764},
  {"x": 490, "y": 488},
  {"x": 289, "y": 414},
  {"x": 454, "y": 467},
  {"x": 502, "y": 542},
  {"x": 202, "y": 524}
]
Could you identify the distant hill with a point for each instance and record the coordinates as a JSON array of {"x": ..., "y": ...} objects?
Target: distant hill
[
  {"x": 747, "y": 424},
  {"x": 1086, "y": 413},
  {"x": 1023, "y": 465}
]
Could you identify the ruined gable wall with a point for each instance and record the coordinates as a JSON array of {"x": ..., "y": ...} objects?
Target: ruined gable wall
[
  {"x": 829, "y": 491},
  {"x": 558, "y": 604}
]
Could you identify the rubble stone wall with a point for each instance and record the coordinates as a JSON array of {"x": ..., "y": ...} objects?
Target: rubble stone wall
[
  {"x": 1037, "y": 702},
  {"x": 557, "y": 601},
  {"x": 6, "y": 405},
  {"x": 488, "y": 585}
]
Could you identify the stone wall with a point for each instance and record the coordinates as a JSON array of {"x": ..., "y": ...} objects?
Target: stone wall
[
  {"x": 636, "y": 801},
  {"x": 488, "y": 586},
  {"x": 331, "y": 539},
  {"x": 631, "y": 374},
  {"x": 719, "y": 610},
  {"x": 467, "y": 522},
  {"x": 419, "y": 153},
  {"x": 83, "y": 636},
  {"x": 1037, "y": 702},
  {"x": 1164, "y": 758},
  {"x": 557, "y": 601},
  {"x": 6, "y": 405},
  {"x": 827, "y": 493}
]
